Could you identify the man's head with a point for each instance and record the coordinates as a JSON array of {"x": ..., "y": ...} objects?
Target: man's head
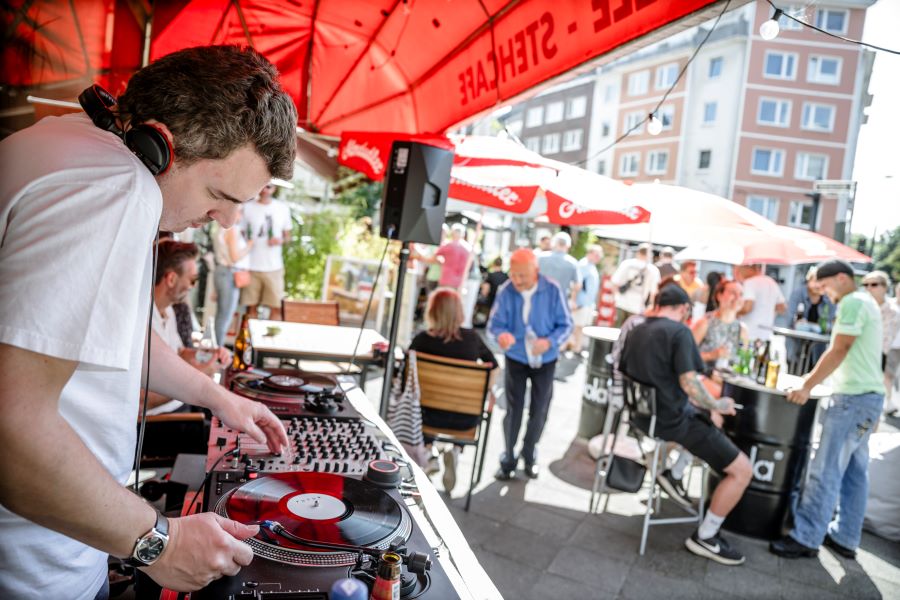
[
  {"x": 743, "y": 272},
  {"x": 267, "y": 193},
  {"x": 667, "y": 255},
  {"x": 544, "y": 242},
  {"x": 231, "y": 125},
  {"x": 812, "y": 284},
  {"x": 644, "y": 251},
  {"x": 594, "y": 253},
  {"x": 523, "y": 269},
  {"x": 688, "y": 271},
  {"x": 877, "y": 283},
  {"x": 836, "y": 277},
  {"x": 176, "y": 272},
  {"x": 457, "y": 232},
  {"x": 561, "y": 242},
  {"x": 672, "y": 302}
]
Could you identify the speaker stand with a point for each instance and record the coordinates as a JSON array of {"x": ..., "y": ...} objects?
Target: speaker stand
[{"x": 392, "y": 332}]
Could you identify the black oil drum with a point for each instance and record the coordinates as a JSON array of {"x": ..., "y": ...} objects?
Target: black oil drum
[
  {"x": 776, "y": 435},
  {"x": 595, "y": 396}
]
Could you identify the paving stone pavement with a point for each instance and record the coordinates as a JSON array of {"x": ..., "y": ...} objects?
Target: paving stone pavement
[{"x": 536, "y": 539}]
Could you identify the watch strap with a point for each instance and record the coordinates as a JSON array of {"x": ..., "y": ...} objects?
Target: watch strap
[{"x": 161, "y": 527}]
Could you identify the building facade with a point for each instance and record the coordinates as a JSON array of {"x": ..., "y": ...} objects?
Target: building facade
[{"x": 752, "y": 120}]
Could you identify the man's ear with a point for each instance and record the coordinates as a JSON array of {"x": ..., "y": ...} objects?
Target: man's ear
[{"x": 170, "y": 278}]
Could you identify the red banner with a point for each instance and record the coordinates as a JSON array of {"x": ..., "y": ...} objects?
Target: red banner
[{"x": 564, "y": 212}]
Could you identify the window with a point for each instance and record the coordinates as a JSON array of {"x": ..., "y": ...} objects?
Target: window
[
  {"x": 780, "y": 65},
  {"x": 604, "y": 129},
  {"x": 786, "y": 24},
  {"x": 768, "y": 162},
  {"x": 515, "y": 127},
  {"x": 601, "y": 167},
  {"x": 635, "y": 119},
  {"x": 824, "y": 69},
  {"x": 811, "y": 166},
  {"x": 550, "y": 144},
  {"x": 705, "y": 159},
  {"x": 832, "y": 20},
  {"x": 533, "y": 144},
  {"x": 665, "y": 76},
  {"x": 657, "y": 162},
  {"x": 667, "y": 115},
  {"x": 638, "y": 83},
  {"x": 800, "y": 214},
  {"x": 776, "y": 113},
  {"x": 715, "y": 67},
  {"x": 629, "y": 164},
  {"x": 765, "y": 206},
  {"x": 709, "y": 113},
  {"x": 577, "y": 107},
  {"x": 554, "y": 112},
  {"x": 534, "y": 117},
  {"x": 609, "y": 93},
  {"x": 817, "y": 117},
  {"x": 572, "y": 140}
]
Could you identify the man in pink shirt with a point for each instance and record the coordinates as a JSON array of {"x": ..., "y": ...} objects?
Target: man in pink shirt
[{"x": 454, "y": 257}]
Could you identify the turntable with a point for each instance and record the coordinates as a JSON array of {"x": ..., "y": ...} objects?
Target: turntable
[
  {"x": 293, "y": 393},
  {"x": 316, "y": 528}
]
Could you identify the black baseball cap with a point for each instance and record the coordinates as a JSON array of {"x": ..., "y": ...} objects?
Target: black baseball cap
[
  {"x": 672, "y": 295},
  {"x": 831, "y": 267}
]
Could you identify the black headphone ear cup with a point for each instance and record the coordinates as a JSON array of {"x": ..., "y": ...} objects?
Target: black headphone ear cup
[{"x": 150, "y": 145}]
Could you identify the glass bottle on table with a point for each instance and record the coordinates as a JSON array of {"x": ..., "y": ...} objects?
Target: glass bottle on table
[
  {"x": 243, "y": 350},
  {"x": 206, "y": 349}
]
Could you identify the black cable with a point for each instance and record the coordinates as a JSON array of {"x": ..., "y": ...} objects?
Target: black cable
[
  {"x": 828, "y": 33},
  {"x": 362, "y": 325},
  {"x": 209, "y": 473},
  {"x": 143, "y": 424},
  {"x": 665, "y": 96}
]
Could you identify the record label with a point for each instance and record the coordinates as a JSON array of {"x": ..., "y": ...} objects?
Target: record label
[{"x": 318, "y": 507}]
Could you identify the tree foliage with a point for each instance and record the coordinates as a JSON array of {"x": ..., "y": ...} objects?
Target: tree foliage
[{"x": 887, "y": 253}]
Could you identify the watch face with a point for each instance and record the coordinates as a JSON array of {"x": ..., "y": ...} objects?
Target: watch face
[{"x": 150, "y": 549}]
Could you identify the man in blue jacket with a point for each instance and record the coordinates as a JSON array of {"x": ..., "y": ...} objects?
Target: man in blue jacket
[{"x": 530, "y": 321}]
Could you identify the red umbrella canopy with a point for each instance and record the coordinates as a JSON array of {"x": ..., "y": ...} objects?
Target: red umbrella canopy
[{"x": 416, "y": 66}]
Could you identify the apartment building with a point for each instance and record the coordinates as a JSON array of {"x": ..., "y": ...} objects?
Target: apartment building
[{"x": 752, "y": 120}]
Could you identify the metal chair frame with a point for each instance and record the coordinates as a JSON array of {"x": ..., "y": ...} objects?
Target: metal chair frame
[{"x": 640, "y": 400}]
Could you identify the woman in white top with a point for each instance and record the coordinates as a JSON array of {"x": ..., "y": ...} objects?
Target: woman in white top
[{"x": 230, "y": 249}]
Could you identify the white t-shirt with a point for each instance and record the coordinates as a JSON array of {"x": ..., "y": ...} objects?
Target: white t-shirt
[
  {"x": 78, "y": 213},
  {"x": 166, "y": 327},
  {"x": 644, "y": 278},
  {"x": 765, "y": 293},
  {"x": 263, "y": 222},
  {"x": 220, "y": 247}
]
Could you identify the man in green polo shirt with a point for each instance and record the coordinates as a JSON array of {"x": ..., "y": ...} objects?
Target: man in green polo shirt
[{"x": 839, "y": 471}]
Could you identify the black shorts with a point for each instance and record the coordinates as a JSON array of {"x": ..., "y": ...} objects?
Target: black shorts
[{"x": 700, "y": 437}]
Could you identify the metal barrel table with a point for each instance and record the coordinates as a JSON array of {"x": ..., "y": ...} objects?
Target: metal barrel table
[
  {"x": 595, "y": 397},
  {"x": 777, "y": 437}
]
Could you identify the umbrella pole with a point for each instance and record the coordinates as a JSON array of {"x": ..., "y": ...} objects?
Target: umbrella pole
[{"x": 392, "y": 333}]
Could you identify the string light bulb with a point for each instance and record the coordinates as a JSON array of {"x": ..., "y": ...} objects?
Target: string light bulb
[
  {"x": 769, "y": 30},
  {"x": 654, "y": 125}
]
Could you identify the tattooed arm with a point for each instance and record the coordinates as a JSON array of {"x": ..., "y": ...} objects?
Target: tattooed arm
[{"x": 693, "y": 387}]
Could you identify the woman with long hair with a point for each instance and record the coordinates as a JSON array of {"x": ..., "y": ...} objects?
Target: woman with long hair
[
  {"x": 444, "y": 336},
  {"x": 718, "y": 333}
]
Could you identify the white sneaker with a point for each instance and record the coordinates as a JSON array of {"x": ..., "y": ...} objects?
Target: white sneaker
[{"x": 450, "y": 460}]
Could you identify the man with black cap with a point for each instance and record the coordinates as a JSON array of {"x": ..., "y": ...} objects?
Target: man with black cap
[
  {"x": 839, "y": 471},
  {"x": 661, "y": 353}
]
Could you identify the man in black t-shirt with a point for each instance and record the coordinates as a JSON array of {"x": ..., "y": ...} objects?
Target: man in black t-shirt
[{"x": 661, "y": 353}]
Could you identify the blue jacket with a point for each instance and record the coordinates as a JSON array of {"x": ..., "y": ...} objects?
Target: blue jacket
[{"x": 549, "y": 318}]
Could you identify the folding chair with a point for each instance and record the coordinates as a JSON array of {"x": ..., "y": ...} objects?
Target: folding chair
[
  {"x": 640, "y": 400},
  {"x": 459, "y": 386}
]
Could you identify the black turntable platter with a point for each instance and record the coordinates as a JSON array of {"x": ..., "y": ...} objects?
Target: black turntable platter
[
  {"x": 286, "y": 382},
  {"x": 321, "y": 507}
]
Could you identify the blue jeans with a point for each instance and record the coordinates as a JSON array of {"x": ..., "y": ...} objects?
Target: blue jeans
[
  {"x": 227, "y": 294},
  {"x": 839, "y": 474}
]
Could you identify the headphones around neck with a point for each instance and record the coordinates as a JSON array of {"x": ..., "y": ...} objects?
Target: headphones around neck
[{"x": 146, "y": 141}]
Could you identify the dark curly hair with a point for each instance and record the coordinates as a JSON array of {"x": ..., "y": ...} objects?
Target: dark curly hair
[{"x": 214, "y": 100}]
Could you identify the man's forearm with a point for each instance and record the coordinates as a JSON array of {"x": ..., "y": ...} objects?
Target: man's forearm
[
  {"x": 697, "y": 392},
  {"x": 171, "y": 376}
]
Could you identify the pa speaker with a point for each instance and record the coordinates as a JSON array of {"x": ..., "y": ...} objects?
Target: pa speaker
[{"x": 415, "y": 193}]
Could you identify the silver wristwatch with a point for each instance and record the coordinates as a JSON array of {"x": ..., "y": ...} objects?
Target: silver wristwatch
[{"x": 149, "y": 547}]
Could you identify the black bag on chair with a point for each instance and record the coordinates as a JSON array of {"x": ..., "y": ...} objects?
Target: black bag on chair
[{"x": 625, "y": 475}]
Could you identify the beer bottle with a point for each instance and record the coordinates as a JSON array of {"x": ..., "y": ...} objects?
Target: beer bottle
[
  {"x": 387, "y": 583},
  {"x": 243, "y": 351}
]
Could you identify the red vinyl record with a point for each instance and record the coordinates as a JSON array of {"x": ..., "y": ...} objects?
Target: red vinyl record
[{"x": 322, "y": 507}]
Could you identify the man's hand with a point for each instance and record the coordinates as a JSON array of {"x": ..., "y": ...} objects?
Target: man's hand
[
  {"x": 800, "y": 396},
  {"x": 201, "y": 549},
  {"x": 726, "y": 406},
  {"x": 506, "y": 340},
  {"x": 254, "y": 419},
  {"x": 275, "y": 241},
  {"x": 540, "y": 346}
]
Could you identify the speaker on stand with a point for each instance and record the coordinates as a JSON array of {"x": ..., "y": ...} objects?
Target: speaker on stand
[{"x": 412, "y": 210}]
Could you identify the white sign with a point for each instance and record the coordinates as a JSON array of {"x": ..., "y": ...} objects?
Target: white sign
[{"x": 833, "y": 186}]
